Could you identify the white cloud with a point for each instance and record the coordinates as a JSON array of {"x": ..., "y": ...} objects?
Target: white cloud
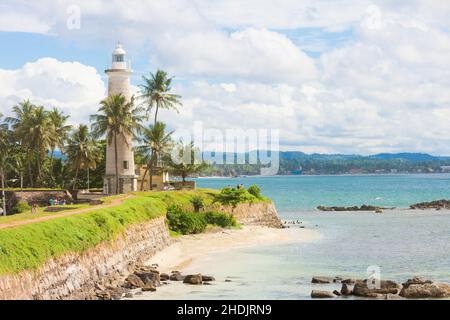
[
  {"x": 386, "y": 89},
  {"x": 256, "y": 54},
  {"x": 71, "y": 86}
]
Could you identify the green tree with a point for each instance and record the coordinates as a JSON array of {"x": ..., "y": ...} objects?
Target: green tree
[
  {"x": 40, "y": 136},
  {"x": 156, "y": 144},
  {"x": 33, "y": 129},
  {"x": 58, "y": 122},
  {"x": 5, "y": 138},
  {"x": 83, "y": 151},
  {"x": 185, "y": 161},
  {"x": 20, "y": 123},
  {"x": 156, "y": 93},
  {"x": 18, "y": 161},
  {"x": 117, "y": 118}
]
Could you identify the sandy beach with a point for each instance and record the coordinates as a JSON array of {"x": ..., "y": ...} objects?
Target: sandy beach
[
  {"x": 187, "y": 250},
  {"x": 211, "y": 254}
]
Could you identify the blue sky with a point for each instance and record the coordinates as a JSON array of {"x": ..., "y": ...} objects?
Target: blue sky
[{"x": 333, "y": 76}]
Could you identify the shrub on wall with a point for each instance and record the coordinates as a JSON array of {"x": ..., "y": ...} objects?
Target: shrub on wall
[
  {"x": 231, "y": 196},
  {"x": 185, "y": 222},
  {"x": 197, "y": 203},
  {"x": 255, "y": 191},
  {"x": 220, "y": 219}
]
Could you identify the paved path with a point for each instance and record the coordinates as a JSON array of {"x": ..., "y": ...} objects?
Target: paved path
[{"x": 113, "y": 203}]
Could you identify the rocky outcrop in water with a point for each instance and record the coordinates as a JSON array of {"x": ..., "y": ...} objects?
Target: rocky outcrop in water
[
  {"x": 421, "y": 288},
  {"x": 194, "y": 279},
  {"x": 438, "y": 205},
  {"x": 321, "y": 294},
  {"x": 354, "y": 208},
  {"x": 318, "y": 279},
  {"x": 365, "y": 289},
  {"x": 415, "y": 288}
]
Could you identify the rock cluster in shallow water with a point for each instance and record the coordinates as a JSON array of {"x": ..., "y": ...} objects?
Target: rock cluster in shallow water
[
  {"x": 438, "y": 205},
  {"x": 415, "y": 288},
  {"x": 145, "y": 279},
  {"x": 364, "y": 207}
]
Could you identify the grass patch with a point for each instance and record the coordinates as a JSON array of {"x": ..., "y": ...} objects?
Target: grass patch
[
  {"x": 29, "y": 246},
  {"x": 40, "y": 213}
]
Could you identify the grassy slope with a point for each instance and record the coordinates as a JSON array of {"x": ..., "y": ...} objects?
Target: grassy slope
[
  {"x": 29, "y": 246},
  {"x": 41, "y": 213}
]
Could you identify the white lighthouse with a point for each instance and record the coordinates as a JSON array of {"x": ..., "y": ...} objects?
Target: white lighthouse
[{"x": 119, "y": 83}]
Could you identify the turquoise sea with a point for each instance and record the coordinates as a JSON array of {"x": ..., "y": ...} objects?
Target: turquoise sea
[
  {"x": 294, "y": 193},
  {"x": 402, "y": 243}
]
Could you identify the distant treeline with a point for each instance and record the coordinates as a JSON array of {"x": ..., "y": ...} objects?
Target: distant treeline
[{"x": 301, "y": 163}]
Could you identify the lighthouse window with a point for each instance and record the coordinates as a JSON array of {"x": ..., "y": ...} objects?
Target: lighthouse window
[
  {"x": 119, "y": 58},
  {"x": 125, "y": 164}
]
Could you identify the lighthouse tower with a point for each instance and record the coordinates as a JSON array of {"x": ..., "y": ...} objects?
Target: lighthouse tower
[{"x": 119, "y": 83}]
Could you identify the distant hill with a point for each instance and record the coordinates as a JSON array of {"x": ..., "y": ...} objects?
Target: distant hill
[
  {"x": 410, "y": 156},
  {"x": 407, "y": 156},
  {"x": 296, "y": 162}
]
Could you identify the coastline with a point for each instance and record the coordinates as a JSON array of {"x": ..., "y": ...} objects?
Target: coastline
[
  {"x": 196, "y": 253},
  {"x": 187, "y": 249}
]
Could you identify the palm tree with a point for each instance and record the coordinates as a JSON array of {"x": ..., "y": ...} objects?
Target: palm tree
[
  {"x": 17, "y": 160},
  {"x": 33, "y": 129},
  {"x": 4, "y": 150},
  {"x": 156, "y": 143},
  {"x": 156, "y": 93},
  {"x": 40, "y": 136},
  {"x": 23, "y": 113},
  {"x": 117, "y": 118},
  {"x": 83, "y": 151},
  {"x": 58, "y": 121},
  {"x": 184, "y": 161}
]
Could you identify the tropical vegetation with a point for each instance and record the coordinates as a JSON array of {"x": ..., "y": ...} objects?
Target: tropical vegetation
[
  {"x": 156, "y": 93},
  {"x": 119, "y": 120},
  {"x": 185, "y": 160},
  {"x": 156, "y": 144},
  {"x": 39, "y": 148}
]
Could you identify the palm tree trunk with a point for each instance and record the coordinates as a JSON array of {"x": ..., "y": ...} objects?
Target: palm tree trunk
[
  {"x": 30, "y": 173},
  {"x": 52, "y": 154},
  {"x": 143, "y": 178},
  {"x": 151, "y": 170},
  {"x": 75, "y": 180},
  {"x": 2, "y": 176},
  {"x": 156, "y": 113},
  {"x": 88, "y": 186},
  {"x": 38, "y": 163},
  {"x": 117, "y": 164}
]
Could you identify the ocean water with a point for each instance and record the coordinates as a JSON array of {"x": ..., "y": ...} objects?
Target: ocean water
[
  {"x": 293, "y": 193},
  {"x": 401, "y": 243}
]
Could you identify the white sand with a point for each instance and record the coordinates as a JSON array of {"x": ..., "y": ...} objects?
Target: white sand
[{"x": 188, "y": 249}]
